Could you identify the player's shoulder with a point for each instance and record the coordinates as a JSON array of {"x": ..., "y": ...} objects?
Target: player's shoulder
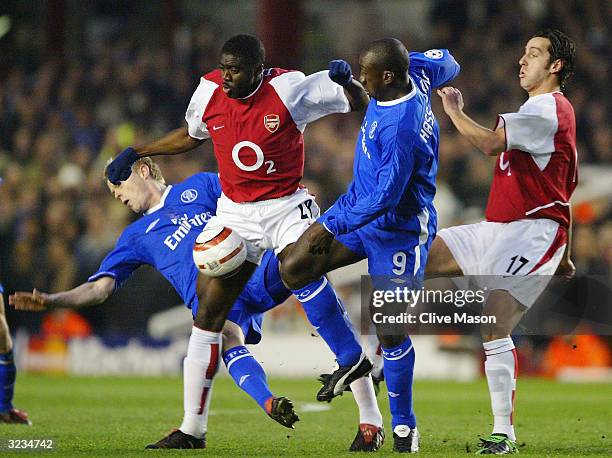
[
  {"x": 549, "y": 105},
  {"x": 203, "y": 184},
  {"x": 282, "y": 79},
  {"x": 431, "y": 55},
  {"x": 403, "y": 114},
  {"x": 201, "y": 177},
  {"x": 433, "y": 59},
  {"x": 563, "y": 103},
  {"x": 276, "y": 72},
  {"x": 539, "y": 102},
  {"x": 214, "y": 77},
  {"x": 132, "y": 232}
]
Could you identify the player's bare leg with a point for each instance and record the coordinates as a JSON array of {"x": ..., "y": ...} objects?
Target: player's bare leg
[
  {"x": 500, "y": 365},
  {"x": 300, "y": 268},
  {"x": 8, "y": 414},
  {"x": 249, "y": 375},
  {"x": 501, "y": 368},
  {"x": 398, "y": 368},
  {"x": 6, "y": 343},
  {"x": 441, "y": 262},
  {"x": 303, "y": 273},
  {"x": 216, "y": 297}
]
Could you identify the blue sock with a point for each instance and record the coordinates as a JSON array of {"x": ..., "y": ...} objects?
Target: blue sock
[
  {"x": 248, "y": 374},
  {"x": 8, "y": 372},
  {"x": 326, "y": 313},
  {"x": 398, "y": 369}
]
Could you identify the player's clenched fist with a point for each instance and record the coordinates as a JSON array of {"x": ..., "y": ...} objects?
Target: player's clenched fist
[
  {"x": 31, "y": 302},
  {"x": 451, "y": 99},
  {"x": 340, "y": 72}
]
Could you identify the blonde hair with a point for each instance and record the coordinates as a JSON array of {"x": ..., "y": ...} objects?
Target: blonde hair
[{"x": 154, "y": 169}]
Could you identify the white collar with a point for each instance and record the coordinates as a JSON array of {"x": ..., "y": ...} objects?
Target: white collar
[
  {"x": 408, "y": 96},
  {"x": 161, "y": 201}
]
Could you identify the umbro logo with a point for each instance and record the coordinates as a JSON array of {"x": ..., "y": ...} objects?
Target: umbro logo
[{"x": 152, "y": 225}]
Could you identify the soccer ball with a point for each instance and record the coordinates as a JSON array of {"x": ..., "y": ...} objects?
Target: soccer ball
[{"x": 219, "y": 252}]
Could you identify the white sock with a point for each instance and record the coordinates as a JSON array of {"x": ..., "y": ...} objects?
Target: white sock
[
  {"x": 199, "y": 368},
  {"x": 375, "y": 354},
  {"x": 501, "y": 370},
  {"x": 363, "y": 391}
]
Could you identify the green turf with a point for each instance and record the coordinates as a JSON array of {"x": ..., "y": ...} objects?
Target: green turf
[{"x": 119, "y": 416}]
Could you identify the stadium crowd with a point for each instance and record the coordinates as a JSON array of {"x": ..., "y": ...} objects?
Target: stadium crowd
[{"x": 61, "y": 120}]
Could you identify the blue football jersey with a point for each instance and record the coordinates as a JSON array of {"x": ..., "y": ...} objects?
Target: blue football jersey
[
  {"x": 164, "y": 236},
  {"x": 396, "y": 154}
]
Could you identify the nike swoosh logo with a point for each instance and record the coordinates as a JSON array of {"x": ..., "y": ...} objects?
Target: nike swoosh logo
[
  {"x": 152, "y": 225},
  {"x": 218, "y": 127},
  {"x": 503, "y": 165}
]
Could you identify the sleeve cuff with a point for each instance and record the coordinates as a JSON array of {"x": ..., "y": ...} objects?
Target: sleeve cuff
[
  {"x": 98, "y": 275},
  {"x": 327, "y": 228},
  {"x": 501, "y": 122}
]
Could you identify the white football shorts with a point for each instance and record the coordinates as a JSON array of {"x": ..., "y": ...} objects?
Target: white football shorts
[
  {"x": 267, "y": 224},
  {"x": 519, "y": 257}
]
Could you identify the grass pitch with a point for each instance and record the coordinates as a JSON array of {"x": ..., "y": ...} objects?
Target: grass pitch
[{"x": 118, "y": 416}]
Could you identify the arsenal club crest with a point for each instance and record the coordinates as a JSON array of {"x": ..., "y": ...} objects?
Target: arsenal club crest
[{"x": 272, "y": 121}]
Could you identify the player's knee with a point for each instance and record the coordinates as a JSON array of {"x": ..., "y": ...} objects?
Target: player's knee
[
  {"x": 6, "y": 344},
  {"x": 440, "y": 260},
  {"x": 208, "y": 321},
  {"x": 292, "y": 272},
  {"x": 390, "y": 341},
  {"x": 493, "y": 331},
  {"x": 232, "y": 336}
]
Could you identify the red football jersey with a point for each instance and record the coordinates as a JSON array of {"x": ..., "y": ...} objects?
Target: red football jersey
[
  {"x": 258, "y": 139},
  {"x": 537, "y": 174}
]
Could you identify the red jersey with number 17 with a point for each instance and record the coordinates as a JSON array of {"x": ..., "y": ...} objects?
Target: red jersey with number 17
[
  {"x": 537, "y": 174},
  {"x": 258, "y": 140}
]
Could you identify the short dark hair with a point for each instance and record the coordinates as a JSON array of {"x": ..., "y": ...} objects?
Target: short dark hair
[
  {"x": 248, "y": 48},
  {"x": 561, "y": 47},
  {"x": 391, "y": 54}
]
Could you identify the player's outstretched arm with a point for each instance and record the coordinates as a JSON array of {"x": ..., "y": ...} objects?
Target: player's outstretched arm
[
  {"x": 91, "y": 293},
  {"x": 490, "y": 142},
  {"x": 176, "y": 142}
]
